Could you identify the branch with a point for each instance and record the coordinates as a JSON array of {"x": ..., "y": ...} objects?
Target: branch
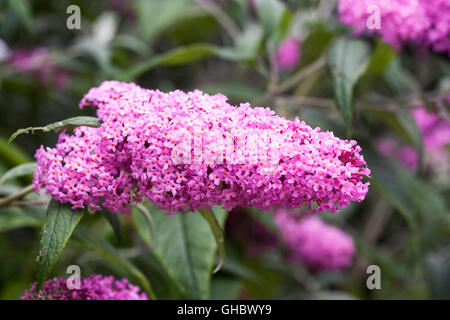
[
  {"x": 292, "y": 81},
  {"x": 224, "y": 20},
  {"x": 16, "y": 196}
]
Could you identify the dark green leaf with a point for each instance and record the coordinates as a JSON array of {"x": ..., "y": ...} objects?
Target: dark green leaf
[
  {"x": 186, "y": 240},
  {"x": 59, "y": 224},
  {"x": 156, "y": 16},
  {"x": 15, "y": 217},
  {"x": 404, "y": 124},
  {"x": 143, "y": 222},
  {"x": 218, "y": 235},
  {"x": 184, "y": 55},
  {"x": 22, "y": 8},
  {"x": 417, "y": 202},
  {"x": 437, "y": 275},
  {"x": 89, "y": 240},
  {"x": 60, "y": 125},
  {"x": 10, "y": 154},
  {"x": 270, "y": 13},
  {"x": 19, "y": 171},
  {"x": 347, "y": 60},
  {"x": 399, "y": 79},
  {"x": 164, "y": 285},
  {"x": 114, "y": 221},
  {"x": 225, "y": 288}
]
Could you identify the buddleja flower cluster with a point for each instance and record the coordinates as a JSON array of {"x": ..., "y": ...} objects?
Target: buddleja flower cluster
[
  {"x": 95, "y": 287},
  {"x": 435, "y": 132},
  {"x": 187, "y": 151},
  {"x": 421, "y": 23},
  {"x": 315, "y": 244}
]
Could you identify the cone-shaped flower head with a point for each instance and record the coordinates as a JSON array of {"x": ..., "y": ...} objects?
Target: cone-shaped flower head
[
  {"x": 187, "y": 151},
  {"x": 420, "y": 23}
]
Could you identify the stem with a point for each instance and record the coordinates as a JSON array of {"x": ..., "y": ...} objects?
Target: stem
[
  {"x": 273, "y": 83},
  {"x": 374, "y": 226},
  {"x": 30, "y": 203},
  {"x": 329, "y": 103},
  {"x": 16, "y": 196},
  {"x": 148, "y": 218},
  {"x": 292, "y": 81},
  {"x": 218, "y": 235},
  {"x": 221, "y": 17}
]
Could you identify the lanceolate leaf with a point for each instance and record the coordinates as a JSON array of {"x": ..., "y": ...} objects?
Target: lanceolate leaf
[
  {"x": 403, "y": 123},
  {"x": 184, "y": 55},
  {"x": 143, "y": 222},
  {"x": 19, "y": 171},
  {"x": 114, "y": 221},
  {"x": 186, "y": 247},
  {"x": 417, "y": 202},
  {"x": 347, "y": 59},
  {"x": 270, "y": 13},
  {"x": 60, "y": 125},
  {"x": 15, "y": 217},
  {"x": 60, "y": 222},
  {"x": 218, "y": 235}
]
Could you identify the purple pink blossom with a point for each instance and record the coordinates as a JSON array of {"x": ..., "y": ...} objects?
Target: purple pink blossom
[
  {"x": 95, "y": 287},
  {"x": 130, "y": 156},
  {"x": 288, "y": 55},
  {"x": 436, "y": 137},
  {"x": 313, "y": 243},
  {"x": 419, "y": 23},
  {"x": 37, "y": 63}
]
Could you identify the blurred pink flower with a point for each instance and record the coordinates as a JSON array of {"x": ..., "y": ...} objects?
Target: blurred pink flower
[
  {"x": 435, "y": 134},
  {"x": 408, "y": 157},
  {"x": 37, "y": 63},
  {"x": 435, "y": 131},
  {"x": 289, "y": 53},
  {"x": 386, "y": 146},
  {"x": 315, "y": 244}
]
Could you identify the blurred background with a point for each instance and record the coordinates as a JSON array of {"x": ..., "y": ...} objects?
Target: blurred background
[{"x": 273, "y": 53}]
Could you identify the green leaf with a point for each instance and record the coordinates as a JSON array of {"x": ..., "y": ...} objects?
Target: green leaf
[
  {"x": 186, "y": 240},
  {"x": 270, "y": 13},
  {"x": 15, "y": 217},
  {"x": 382, "y": 56},
  {"x": 218, "y": 235},
  {"x": 22, "y": 8},
  {"x": 60, "y": 125},
  {"x": 225, "y": 288},
  {"x": 417, "y": 202},
  {"x": 164, "y": 285},
  {"x": 89, "y": 240},
  {"x": 59, "y": 224},
  {"x": 249, "y": 41},
  {"x": 19, "y": 171},
  {"x": 437, "y": 275},
  {"x": 347, "y": 60},
  {"x": 143, "y": 222},
  {"x": 153, "y": 17},
  {"x": 12, "y": 155},
  {"x": 404, "y": 124},
  {"x": 184, "y": 55},
  {"x": 399, "y": 79},
  {"x": 114, "y": 221}
]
